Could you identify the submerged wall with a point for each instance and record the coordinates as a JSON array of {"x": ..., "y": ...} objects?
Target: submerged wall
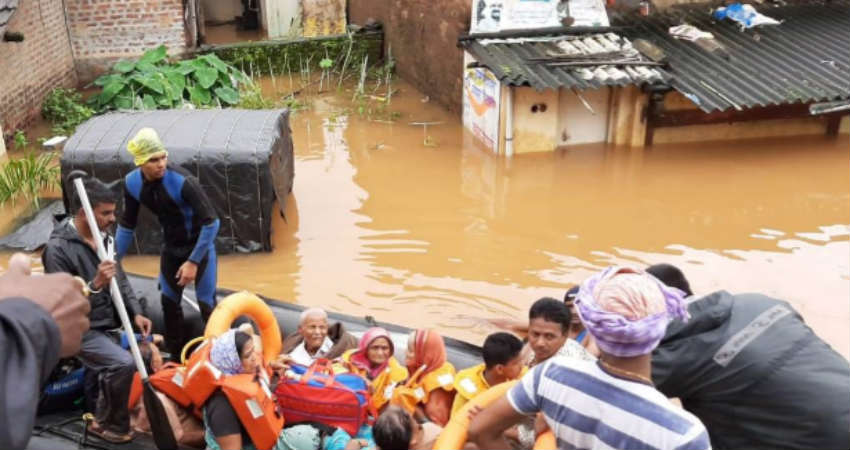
[{"x": 422, "y": 35}]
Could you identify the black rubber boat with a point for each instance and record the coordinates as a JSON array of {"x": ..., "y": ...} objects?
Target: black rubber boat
[{"x": 63, "y": 430}]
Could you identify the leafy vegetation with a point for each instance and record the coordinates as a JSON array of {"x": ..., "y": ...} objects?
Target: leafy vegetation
[
  {"x": 302, "y": 56},
  {"x": 153, "y": 82},
  {"x": 26, "y": 177},
  {"x": 20, "y": 140},
  {"x": 65, "y": 110},
  {"x": 251, "y": 97}
]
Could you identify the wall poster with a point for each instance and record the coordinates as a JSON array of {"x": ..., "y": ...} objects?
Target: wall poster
[{"x": 481, "y": 97}]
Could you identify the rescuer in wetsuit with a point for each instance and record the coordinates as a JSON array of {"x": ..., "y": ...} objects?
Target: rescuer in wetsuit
[{"x": 189, "y": 225}]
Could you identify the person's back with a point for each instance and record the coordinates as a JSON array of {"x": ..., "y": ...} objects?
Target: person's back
[
  {"x": 755, "y": 374},
  {"x": 588, "y": 408}
]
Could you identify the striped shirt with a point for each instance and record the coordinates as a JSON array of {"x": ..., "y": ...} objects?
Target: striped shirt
[{"x": 586, "y": 408}]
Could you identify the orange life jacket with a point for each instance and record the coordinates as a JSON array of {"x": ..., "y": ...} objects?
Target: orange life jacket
[
  {"x": 254, "y": 405},
  {"x": 249, "y": 395},
  {"x": 169, "y": 380}
]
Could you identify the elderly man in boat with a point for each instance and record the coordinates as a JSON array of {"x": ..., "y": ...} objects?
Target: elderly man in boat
[{"x": 316, "y": 339}]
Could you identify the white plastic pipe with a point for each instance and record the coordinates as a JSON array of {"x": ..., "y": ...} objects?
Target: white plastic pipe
[{"x": 509, "y": 123}]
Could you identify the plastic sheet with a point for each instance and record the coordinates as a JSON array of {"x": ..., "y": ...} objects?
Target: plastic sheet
[
  {"x": 242, "y": 158},
  {"x": 35, "y": 233}
]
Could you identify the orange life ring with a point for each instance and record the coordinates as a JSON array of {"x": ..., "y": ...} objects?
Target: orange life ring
[
  {"x": 453, "y": 435},
  {"x": 247, "y": 304},
  {"x": 546, "y": 441}
]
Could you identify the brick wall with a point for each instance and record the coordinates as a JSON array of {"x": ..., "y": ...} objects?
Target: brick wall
[
  {"x": 104, "y": 31},
  {"x": 29, "y": 69},
  {"x": 423, "y": 36}
]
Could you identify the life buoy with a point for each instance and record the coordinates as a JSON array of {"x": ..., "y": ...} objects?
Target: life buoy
[
  {"x": 248, "y": 393},
  {"x": 546, "y": 441},
  {"x": 246, "y": 304},
  {"x": 453, "y": 435}
]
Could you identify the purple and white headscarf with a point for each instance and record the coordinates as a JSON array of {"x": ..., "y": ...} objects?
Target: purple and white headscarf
[
  {"x": 627, "y": 310},
  {"x": 224, "y": 354}
]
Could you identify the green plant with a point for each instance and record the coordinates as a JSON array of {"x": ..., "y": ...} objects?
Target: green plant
[
  {"x": 65, "y": 110},
  {"x": 20, "y": 139},
  {"x": 251, "y": 97},
  {"x": 28, "y": 176},
  {"x": 152, "y": 83}
]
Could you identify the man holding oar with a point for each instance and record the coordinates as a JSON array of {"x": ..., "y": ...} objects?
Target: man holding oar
[
  {"x": 189, "y": 226},
  {"x": 72, "y": 249}
]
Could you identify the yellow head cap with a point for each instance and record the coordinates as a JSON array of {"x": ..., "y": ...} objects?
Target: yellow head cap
[{"x": 145, "y": 145}]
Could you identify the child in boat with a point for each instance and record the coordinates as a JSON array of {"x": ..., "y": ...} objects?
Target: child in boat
[
  {"x": 429, "y": 392},
  {"x": 374, "y": 361},
  {"x": 502, "y": 362},
  {"x": 395, "y": 429}
]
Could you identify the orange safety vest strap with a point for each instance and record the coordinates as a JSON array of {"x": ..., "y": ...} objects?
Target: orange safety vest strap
[{"x": 135, "y": 391}]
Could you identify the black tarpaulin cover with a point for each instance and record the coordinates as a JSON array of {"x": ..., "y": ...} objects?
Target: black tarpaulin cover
[{"x": 242, "y": 158}]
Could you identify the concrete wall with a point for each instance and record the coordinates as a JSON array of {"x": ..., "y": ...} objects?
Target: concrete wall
[
  {"x": 578, "y": 125},
  {"x": 30, "y": 69},
  {"x": 221, "y": 10},
  {"x": 105, "y": 31},
  {"x": 806, "y": 126},
  {"x": 423, "y": 36}
]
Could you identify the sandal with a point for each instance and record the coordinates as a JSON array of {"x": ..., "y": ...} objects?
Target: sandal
[{"x": 109, "y": 436}]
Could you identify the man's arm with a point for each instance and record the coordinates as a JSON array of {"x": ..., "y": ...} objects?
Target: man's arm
[
  {"x": 488, "y": 426},
  {"x": 29, "y": 343},
  {"x": 203, "y": 209},
  {"x": 127, "y": 225}
]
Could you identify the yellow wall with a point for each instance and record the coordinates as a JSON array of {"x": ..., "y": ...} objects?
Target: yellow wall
[{"x": 535, "y": 132}]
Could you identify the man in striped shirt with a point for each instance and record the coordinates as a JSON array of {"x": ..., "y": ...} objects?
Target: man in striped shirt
[{"x": 610, "y": 403}]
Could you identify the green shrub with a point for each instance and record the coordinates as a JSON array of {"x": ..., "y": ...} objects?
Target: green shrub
[
  {"x": 27, "y": 176},
  {"x": 153, "y": 82},
  {"x": 20, "y": 139},
  {"x": 65, "y": 110},
  {"x": 251, "y": 97}
]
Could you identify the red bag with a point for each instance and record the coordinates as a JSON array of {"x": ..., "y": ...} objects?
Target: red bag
[{"x": 318, "y": 395}]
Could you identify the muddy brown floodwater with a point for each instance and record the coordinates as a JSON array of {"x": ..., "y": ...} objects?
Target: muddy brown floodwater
[{"x": 442, "y": 235}]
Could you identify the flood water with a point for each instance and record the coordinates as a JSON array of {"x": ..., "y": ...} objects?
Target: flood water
[{"x": 444, "y": 234}]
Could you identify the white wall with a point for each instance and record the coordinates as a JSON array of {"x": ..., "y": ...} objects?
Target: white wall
[
  {"x": 576, "y": 123},
  {"x": 281, "y": 18}
]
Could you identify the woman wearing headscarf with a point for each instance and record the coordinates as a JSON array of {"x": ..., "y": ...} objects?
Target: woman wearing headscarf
[
  {"x": 429, "y": 392},
  {"x": 232, "y": 353},
  {"x": 374, "y": 361}
]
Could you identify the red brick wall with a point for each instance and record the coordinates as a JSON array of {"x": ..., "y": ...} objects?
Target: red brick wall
[
  {"x": 423, "y": 35},
  {"x": 104, "y": 31},
  {"x": 29, "y": 69}
]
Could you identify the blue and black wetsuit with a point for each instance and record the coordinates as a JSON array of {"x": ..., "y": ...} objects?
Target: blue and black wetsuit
[{"x": 189, "y": 225}]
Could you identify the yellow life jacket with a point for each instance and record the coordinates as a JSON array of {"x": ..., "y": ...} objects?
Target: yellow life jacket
[
  {"x": 418, "y": 389},
  {"x": 384, "y": 384},
  {"x": 469, "y": 383}
]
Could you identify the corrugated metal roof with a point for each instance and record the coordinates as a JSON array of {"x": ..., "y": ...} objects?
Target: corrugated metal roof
[
  {"x": 565, "y": 61},
  {"x": 7, "y": 9},
  {"x": 804, "y": 59}
]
